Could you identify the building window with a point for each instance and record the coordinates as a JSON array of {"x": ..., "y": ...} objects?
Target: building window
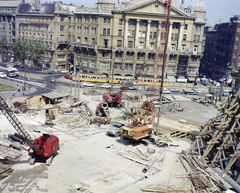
[
  {"x": 104, "y": 65},
  {"x": 185, "y": 26},
  {"x": 133, "y": 33},
  {"x": 62, "y": 38},
  {"x": 61, "y": 18},
  {"x": 61, "y": 57},
  {"x": 128, "y": 66},
  {"x": 150, "y": 68},
  {"x": 119, "y": 32},
  {"x": 141, "y": 45},
  {"x": 79, "y": 39},
  {"x": 86, "y": 30},
  {"x": 86, "y": 19},
  {"x": 171, "y": 69},
  {"x": 105, "y": 53},
  {"x": 183, "y": 48},
  {"x": 172, "y": 58},
  {"x": 94, "y": 19},
  {"x": 120, "y": 21},
  {"x": 130, "y": 44},
  {"x": 86, "y": 40},
  {"x": 195, "y": 38},
  {"x": 151, "y": 46},
  {"x": 117, "y": 66},
  {"x": 94, "y": 30},
  {"x": 105, "y": 43},
  {"x": 132, "y": 22},
  {"x": 140, "y": 34},
  {"x": 107, "y": 20},
  {"x": 119, "y": 43},
  {"x": 184, "y": 37},
  {"x": 155, "y": 35},
  {"x": 61, "y": 28},
  {"x": 118, "y": 55},
  {"x": 129, "y": 33},
  {"x": 173, "y": 47},
  {"x": 195, "y": 49},
  {"x": 108, "y": 31},
  {"x": 143, "y": 34},
  {"x": 104, "y": 31}
]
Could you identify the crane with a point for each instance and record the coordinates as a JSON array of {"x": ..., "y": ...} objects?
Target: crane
[
  {"x": 42, "y": 148},
  {"x": 137, "y": 129},
  {"x": 116, "y": 98}
]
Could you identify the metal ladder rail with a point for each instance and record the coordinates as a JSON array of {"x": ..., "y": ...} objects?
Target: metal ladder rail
[
  {"x": 126, "y": 86},
  {"x": 14, "y": 121}
]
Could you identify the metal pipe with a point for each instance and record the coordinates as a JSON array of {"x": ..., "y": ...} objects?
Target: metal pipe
[
  {"x": 233, "y": 183},
  {"x": 152, "y": 161}
]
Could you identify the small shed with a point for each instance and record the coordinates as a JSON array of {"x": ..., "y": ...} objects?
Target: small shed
[
  {"x": 51, "y": 98},
  {"x": 50, "y": 111}
]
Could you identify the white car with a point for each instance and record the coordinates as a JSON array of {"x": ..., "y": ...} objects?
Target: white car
[
  {"x": 106, "y": 86},
  {"x": 88, "y": 84},
  {"x": 3, "y": 75},
  {"x": 166, "y": 91}
]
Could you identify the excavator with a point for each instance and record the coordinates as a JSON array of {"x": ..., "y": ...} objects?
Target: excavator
[
  {"x": 114, "y": 99},
  {"x": 41, "y": 149}
]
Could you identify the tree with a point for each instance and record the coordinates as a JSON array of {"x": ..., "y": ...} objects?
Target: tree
[
  {"x": 3, "y": 44},
  {"x": 29, "y": 49}
]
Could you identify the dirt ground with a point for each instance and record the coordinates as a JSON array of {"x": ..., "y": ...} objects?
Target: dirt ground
[{"x": 91, "y": 161}]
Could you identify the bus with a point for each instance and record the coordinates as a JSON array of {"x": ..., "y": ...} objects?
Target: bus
[
  {"x": 9, "y": 72},
  {"x": 15, "y": 70}
]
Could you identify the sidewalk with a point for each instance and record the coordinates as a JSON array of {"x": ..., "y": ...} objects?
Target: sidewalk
[{"x": 9, "y": 94}]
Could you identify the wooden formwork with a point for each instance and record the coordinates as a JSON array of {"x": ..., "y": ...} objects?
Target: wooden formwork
[{"x": 218, "y": 143}]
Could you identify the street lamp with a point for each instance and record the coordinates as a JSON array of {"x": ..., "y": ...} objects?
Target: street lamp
[{"x": 112, "y": 70}]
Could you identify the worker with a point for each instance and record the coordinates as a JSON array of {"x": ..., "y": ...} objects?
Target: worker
[{"x": 99, "y": 122}]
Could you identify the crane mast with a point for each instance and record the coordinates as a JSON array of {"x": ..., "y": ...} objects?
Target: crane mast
[{"x": 16, "y": 123}]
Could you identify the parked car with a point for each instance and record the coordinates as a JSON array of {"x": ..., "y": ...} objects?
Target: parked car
[
  {"x": 52, "y": 79},
  {"x": 3, "y": 75},
  {"x": 89, "y": 84},
  {"x": 174, "y": 89},
  {"x": 106, "y": 86},
  {"x": 68, "y": 76},
  {"x": 64, "y": 71},
  {"x": 196, "y": 91},
  {"x": 115, "y": 129},
  {"x": 166, "y": 91},
  {"x": 50, "y": 72}
]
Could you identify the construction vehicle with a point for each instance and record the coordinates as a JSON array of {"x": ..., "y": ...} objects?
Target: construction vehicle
[
  {"x": 114, "y": 99},
  {"x": 136, "y": 130},
  {"x": 40, "y": 149}
]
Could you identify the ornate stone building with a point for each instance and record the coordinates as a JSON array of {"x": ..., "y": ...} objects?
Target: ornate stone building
[
  {"x": 126, "y": 34},
  {"x": 36, "y": 21},
  {"x": 8, "y": 11},
  {"x": 222, "y": 50}
]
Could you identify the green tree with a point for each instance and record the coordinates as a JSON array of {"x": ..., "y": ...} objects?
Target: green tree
[
  {"x": 3, "y": 44},
  {"x": 29, "y": 49}
]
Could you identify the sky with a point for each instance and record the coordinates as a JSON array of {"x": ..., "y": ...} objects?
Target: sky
[{"x": 217, "y": 10}]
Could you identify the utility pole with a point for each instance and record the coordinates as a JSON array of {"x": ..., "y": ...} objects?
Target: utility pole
[
  {"x": 112, "y": 71},
  {"x": 163, "y": 55}
]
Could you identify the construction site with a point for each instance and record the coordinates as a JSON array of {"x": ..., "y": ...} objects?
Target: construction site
[{"x": 114, "y": 141}]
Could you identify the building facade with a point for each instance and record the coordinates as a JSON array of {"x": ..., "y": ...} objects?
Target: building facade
[
  {"x": 125, "y": 35},
  {"x": 36, "y": 21},
  {"x": 222, "y": 50},
  {"x": 8, "y": 11}
]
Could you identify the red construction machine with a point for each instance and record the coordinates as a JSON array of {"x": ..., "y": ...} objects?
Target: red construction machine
[
  {"x": 40, "y": 149},
  {"x": 114, "y": 99}
]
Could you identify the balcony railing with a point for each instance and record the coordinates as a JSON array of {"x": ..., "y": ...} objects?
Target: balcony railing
[{"x": 63, "y": 42}]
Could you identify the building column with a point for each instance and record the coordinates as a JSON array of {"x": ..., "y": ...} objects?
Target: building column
[
  {"x": 137, "y": 33},
  {"x": 148, "y": 34},
  {"x": 180, "y": 37},
  {"x": 170, "y": 35},
  {"x": 125, "y": 33},
  {"x": 134, "y": 60}
]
